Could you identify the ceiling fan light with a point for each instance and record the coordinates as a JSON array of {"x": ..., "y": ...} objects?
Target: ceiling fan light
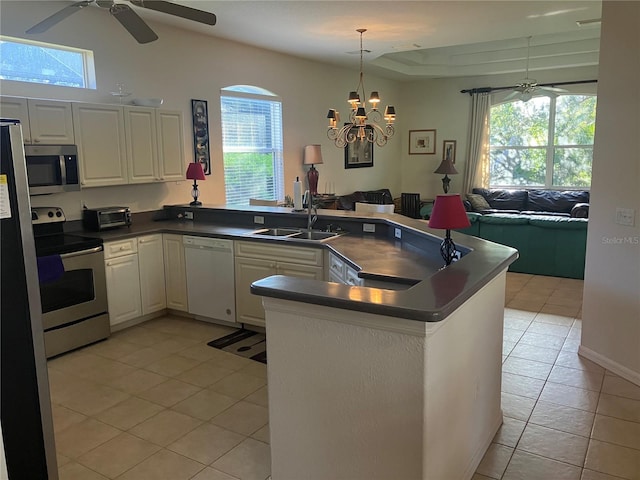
[{"x": 526, "y": 96}]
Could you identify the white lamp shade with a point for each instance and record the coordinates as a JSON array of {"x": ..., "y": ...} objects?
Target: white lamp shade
[{"x": 312, "y": 155}]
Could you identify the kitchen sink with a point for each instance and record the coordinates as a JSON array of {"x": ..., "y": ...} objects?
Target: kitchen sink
[
  {"x": 315, "y": 235},
  {"x": 296, "y": 233},
  {"x": 277, "y": 232}
]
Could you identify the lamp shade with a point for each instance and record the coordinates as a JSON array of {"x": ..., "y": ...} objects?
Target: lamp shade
[
  {"x": 448, "y": 213},
  {"x": 312, "y": 155},
  {"x": 195, "y": 172},
  {"x": 446, "y": 167}
]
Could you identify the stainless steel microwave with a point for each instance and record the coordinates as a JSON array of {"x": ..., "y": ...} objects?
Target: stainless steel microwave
[{"x": 52, "y": 168}]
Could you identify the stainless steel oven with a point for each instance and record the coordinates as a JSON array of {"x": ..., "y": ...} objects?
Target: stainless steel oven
[{"x": 74, "y": 293}]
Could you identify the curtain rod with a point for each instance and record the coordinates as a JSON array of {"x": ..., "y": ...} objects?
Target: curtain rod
[{"x": 471, "y": 91}]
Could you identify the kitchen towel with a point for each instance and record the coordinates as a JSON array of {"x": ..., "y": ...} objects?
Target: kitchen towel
[{"x": 50, "y": 268}]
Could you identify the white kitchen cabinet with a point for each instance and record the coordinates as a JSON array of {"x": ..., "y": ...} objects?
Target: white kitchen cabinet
[
  {"x": 43, "y": 122},
  {"x": 100, "y": 136},
  {"x": 341, "y": 272},
  {"x": 175, "y": 277},
  {"x": 171, "y": 160},
  {"x": 152, "y": 281},
  {"x": 256, "y": 260},
  {"x": 123, "y": 281},
  {"x": 142, "y": 144},
  {"x": 155, "y": 144}
]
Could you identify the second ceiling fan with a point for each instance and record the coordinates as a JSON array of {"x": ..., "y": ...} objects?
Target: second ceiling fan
[
  {"x": 127, "y": 17},
  {"x": 526, "y": 89}
]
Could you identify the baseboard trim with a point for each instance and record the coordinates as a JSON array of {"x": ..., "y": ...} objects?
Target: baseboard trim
[{"x": 615, "y": 367}]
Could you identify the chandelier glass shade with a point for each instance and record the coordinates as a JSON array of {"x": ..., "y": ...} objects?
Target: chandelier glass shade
[{"x": 362, "y": 125}]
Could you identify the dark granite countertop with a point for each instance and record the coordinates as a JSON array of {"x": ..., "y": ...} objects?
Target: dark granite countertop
[{"x": 437, "y": 293}]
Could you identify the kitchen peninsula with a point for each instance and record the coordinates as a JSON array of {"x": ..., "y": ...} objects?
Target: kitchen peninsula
[{"x": 364, "y": 382}]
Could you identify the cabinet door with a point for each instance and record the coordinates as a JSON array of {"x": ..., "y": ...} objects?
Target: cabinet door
[
  {"x": 51, "y": 122},
  {"x": 123, "y": 288},
  {"x": 170, "y": 145},
  {"x": 249, "y": 307},
  {"x": 16, "y": 108},
  {"x": 151, "y": 258},
  {"x": 142, "y": 144},
  {"x": 175, "y": 278},
  {"x": 301, "y": 271},
  {"x": 101, "y": 144}
]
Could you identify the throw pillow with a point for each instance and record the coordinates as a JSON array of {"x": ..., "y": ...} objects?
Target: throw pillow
[{"x": 478, "y": 202}]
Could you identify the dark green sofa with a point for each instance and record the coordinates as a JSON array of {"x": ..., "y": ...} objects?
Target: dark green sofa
[{"x": 547, "y": 245}]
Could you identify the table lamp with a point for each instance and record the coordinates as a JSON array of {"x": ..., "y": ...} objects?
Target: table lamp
[
  {"x": 195, "y": 173},
  {"x": 447, "y": 168},
  {"x": 312, "y": 156},
  {"x": 448, "y": 213}
]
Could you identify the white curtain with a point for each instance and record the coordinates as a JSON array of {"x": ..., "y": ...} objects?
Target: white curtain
[{"x": 476, "y": 172}]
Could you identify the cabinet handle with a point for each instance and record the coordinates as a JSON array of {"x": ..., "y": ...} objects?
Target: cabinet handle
[
  {"x": 108, "y": 264},
  {"x": 36, "y": 140},
  {"x": 123, "y": 248}
]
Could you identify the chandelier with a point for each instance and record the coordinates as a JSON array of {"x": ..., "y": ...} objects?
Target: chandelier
[{"x": 362, "y": 125}]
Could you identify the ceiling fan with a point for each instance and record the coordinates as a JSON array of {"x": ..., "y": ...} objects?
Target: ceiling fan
[
  {"x": 526, "y": 89},
  {"x": 127, "y": 17}
]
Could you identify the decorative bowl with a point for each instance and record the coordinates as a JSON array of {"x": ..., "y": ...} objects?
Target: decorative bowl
[{"x": 148, "y": 102}]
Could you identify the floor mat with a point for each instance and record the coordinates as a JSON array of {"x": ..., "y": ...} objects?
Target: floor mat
[{"x": 245, "y": 343}]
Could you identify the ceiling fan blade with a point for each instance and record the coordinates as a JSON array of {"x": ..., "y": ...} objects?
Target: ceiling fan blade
[
  {"x": 513, "y": 94},
  {"x": 189, "y": 13},
  {"x": 133, "y": 23},
  {"x": 553, "y": 89},
  {"x": 57, "y": 17}
]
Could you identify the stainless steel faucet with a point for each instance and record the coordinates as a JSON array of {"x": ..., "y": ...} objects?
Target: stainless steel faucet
[{"x": 311, "y": 219}]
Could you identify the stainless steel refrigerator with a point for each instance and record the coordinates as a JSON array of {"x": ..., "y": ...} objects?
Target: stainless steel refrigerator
[{"x": 25, "y": 404}]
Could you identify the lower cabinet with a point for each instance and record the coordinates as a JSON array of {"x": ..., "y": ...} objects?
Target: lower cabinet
[
  {"x": 255, "y": 260},
  {"x": 135, "y": 277},
  {"x": 175, "y": 276},
  {"x": 340, "y": 272},
  {"x": 123, "y": 280}
]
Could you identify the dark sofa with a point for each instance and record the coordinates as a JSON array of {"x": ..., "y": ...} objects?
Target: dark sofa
[
  {"x": 381, "y": 197},
  {"x": 547, "y": 245},
  {"x": 570, "y": 203}
]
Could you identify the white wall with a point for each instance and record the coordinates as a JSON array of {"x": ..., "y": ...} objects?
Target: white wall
[
  {"x": 182, "y": 65},
  {"x": 611, "y": 308}
]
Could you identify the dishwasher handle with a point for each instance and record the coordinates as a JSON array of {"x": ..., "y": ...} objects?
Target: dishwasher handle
[{"x": 207, "y": 243}]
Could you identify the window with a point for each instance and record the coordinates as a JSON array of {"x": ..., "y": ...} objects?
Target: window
[
  {"x": 545, "y": 142},
  {"x": 37, "y": 62},
  {"x": 251, "y": 144}
]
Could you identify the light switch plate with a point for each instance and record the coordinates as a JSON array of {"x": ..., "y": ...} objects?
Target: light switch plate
[
  {"x": 369, "y": 227},
  {"x": 258, "y": 219},
  {"x": 398, "y": 233},
  {"x": 625, "y": 216},
  {"x": 188, "y": 215}
]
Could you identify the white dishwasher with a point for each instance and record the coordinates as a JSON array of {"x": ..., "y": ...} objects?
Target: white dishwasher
[{"x": 210, "y": 277}]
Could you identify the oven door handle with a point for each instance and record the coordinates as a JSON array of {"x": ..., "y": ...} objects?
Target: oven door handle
[{"x": 82, "y": 252}]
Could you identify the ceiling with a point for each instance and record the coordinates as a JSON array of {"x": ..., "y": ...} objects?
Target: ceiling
[{"x": 410, "y": 39}]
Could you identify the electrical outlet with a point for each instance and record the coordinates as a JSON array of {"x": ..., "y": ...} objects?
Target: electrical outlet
[
  {"x": 368, "y": 227},
  {"x": 397, "y": 233},
  {"x": 258, "y": 219},
  {"x": 625, "y": 216},
  {"x": 188, "y": 215}
]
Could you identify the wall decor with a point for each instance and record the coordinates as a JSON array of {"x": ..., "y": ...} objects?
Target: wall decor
[
  {"x": 449, "y": 150},
  {"x": 200, "y": 115},
  {"x": 422, "y": 142},
  {"x": 359, "y": 153}
]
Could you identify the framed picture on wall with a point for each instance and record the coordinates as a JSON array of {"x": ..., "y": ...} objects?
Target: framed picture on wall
[
  {"x": 449, "y": 150},
  {"x": 422, "y": 142},
  {"x": 200, "y": 115},
  {"x": 359, "y": 153}
]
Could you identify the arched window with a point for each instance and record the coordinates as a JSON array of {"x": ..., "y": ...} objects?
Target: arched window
[
  {"x": 546, "y": 142},
  {"x": 252, "y": 144}
]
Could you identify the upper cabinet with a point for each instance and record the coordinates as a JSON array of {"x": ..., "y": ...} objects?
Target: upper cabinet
[
  {"x": 101, "y": 144},
  {"x": 170, "y": 145},
  {"x": 45, "y": 122}
]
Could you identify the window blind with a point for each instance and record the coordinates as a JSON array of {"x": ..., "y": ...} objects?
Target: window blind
[{"x": 252, "y": 148}]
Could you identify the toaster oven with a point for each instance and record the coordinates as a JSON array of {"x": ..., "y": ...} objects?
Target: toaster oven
[{"x": 97, "y": 219}]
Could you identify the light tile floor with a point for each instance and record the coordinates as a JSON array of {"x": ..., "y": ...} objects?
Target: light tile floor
[{"x": 155, "y": 402}]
